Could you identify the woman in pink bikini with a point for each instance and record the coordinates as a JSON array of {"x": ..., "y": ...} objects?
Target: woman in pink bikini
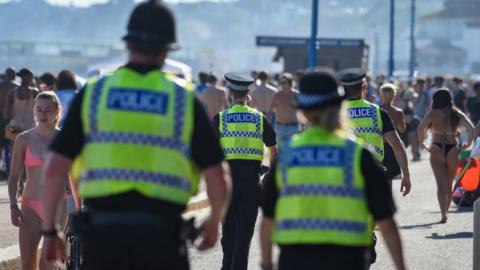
[{"x": 29, "y": 151}]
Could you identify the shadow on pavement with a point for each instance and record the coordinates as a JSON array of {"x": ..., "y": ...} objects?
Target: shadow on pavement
[
  {"x": 424, "y": 226},
  {"x": 458, "y": 235}
]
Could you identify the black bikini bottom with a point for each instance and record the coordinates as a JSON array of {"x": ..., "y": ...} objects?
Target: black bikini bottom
[{"x": 445, "y": 147}]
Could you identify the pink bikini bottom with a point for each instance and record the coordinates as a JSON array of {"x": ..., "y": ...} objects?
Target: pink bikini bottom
[{"x": 35, "y": 205}]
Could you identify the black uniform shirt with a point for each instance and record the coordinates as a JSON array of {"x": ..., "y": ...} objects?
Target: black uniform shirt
[
  {"x": 386, "y": 121},
  {"x": 205, "y": 147},
  {"x": 269, "y": 139}
]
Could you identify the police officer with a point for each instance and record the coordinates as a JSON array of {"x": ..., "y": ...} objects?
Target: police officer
[
  {"x": 321, "y": 196},
  {"x": 143, "y": 139},
  {"x": 243, "y": 132},
  {"x": 371, "y": 123},
  {"x": 374, "y": 126}
]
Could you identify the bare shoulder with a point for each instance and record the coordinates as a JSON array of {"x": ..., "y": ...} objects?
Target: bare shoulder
[
  {"x": 23, "y": 137},
  {"x": 271, "y": 88},
  {"x": 397, "y": 110}
]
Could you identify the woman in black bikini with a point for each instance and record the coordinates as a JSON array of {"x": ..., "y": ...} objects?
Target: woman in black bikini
[{"x": 444, "y": 120}]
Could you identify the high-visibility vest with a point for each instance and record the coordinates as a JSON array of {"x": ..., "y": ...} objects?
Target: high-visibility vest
[
  {"x": 321, "y": 192},
  {"x": 138, "y": 130},
  {"x": 241, "y": 133},
  {"x": 366, "y": 123}
]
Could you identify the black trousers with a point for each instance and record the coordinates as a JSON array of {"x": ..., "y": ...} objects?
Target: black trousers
[
  {"x": 239, "y": 225},
  {"x": 123, "y": 248},
  {"x": 322, "y": 257}
]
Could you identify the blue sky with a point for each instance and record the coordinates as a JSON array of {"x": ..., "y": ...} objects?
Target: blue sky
[{"x": 86, "y": 3}]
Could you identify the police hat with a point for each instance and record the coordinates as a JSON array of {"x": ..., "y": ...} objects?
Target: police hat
[
  {"x": 352, "y": 76},
  {"x": 152, "y": 25},
  {"x": 238, "y": 82},
  {"x": 318, "y": 88}
]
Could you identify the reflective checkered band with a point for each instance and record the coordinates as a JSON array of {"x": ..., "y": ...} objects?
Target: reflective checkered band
[
  {"x": 308, "y": 100},
  {"x": 248, "y": 134},
  {"x": 321, "y": 190},
  {"x": 237, "y": 87},
  {"x": 137, "y": 176},
  {"x": 96, "y": 93},
  {"x": 321, "y": 224},
  {"x": 374, "y": 149},
  {"x": 352, "y": 83},
  {"x": 368, "y": 130},
  {"x": 347, "y": 190},
  {"x": 283, "y": 158},
  {"x": 250, "y": 151},
  {"x": 375, "y": 129},
  {"x": 140, "y": 139},
  {"x": 174, "y": 142},
  {"x": 179, "y": 112}
]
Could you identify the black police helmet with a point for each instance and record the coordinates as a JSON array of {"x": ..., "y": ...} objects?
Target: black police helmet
[
  {"x": 152, "y": 25},
  {"x": 318, "y": 88}
]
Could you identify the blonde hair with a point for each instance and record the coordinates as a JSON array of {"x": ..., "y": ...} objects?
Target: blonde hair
[
  {"x": 388, "y": 92},
  {"x": 330, "y": 118},
  {"x": 50, "y": 95}
]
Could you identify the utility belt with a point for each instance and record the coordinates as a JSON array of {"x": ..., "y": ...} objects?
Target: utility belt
[{"x": 84, "y": 223}]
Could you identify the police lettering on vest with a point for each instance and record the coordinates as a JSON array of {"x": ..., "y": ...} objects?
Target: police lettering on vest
[
  {"x": 360, "y": 113},
  {"x": 318, "y": 156},
  {"x": 144, "y": 101},
  {"x": 241, "y": 118}
]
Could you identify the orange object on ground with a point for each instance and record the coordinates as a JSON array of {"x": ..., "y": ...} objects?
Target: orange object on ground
[{"x": 471, "y": 177}]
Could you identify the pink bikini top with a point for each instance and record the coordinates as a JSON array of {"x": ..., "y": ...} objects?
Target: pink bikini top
[{"x": 31, "y": 160}]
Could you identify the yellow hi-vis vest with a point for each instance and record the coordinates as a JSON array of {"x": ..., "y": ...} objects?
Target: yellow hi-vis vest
[
  {"x": 366, "y": 123},
  {"x": 241, "y": 133},
  {"x": 321, "y": 192},
  {"x": 138, "y": 129}
]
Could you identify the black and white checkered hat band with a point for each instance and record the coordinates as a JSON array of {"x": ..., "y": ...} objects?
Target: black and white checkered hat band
[
  {"x": 237, "y": 87},
  {"x": 352, "y": 83},
  {"x": 309, "y": 100}
]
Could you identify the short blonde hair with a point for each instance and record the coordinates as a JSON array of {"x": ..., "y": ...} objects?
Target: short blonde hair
[
  {"x": 329, "y": 118},
  {"x": 50, "y": 95},
  {"x": 388, "y": 92}
]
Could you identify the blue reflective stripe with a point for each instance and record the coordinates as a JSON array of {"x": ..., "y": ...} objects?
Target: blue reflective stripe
[
  {"x": 316, "y": 156},
  {"x": 250, "y": 151},
  {"x": 348, "y": 171},
  {"x": 321, "y": 224},
  {"x": 225, "y": 122},
  {"x": 346, "y": 190},
  {"x": 248, "y": 134},
  {"x": 137, "y": 176},
  {"x": 179, "y": 117},
  {"x": 174, "y": 142},
  {"x": 93, "y": 110},
  {"x": 140, "y": 139},
  {"x": 321, "y": 190}
]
